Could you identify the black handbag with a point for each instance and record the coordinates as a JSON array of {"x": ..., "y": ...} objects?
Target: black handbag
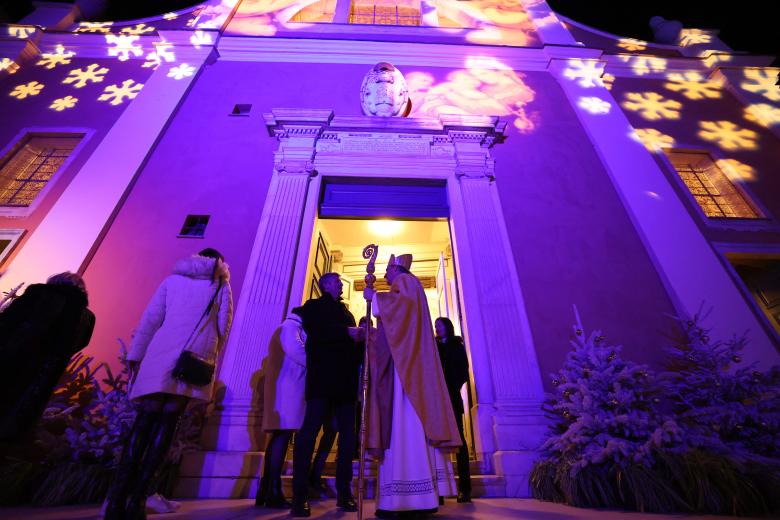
[{"x": 190, "y": 368}]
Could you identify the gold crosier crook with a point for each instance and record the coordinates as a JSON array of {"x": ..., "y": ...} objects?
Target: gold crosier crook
[{"x": 370, "y": 253}]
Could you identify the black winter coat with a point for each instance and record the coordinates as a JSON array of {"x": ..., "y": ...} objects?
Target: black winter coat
[
  {"x": 331, "y": 355},
  {"x": 455, "y": 365},
  {"x": 39, "y": 332}
]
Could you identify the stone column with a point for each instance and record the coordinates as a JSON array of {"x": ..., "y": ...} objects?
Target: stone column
[
  {"x": 501, "y": 335},
  {"x": 235, "y": 426}
]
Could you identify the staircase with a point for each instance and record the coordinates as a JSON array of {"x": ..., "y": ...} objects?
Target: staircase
[{"x": 214, "y": 474}]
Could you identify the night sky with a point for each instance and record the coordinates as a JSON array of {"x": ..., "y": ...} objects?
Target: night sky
[{"x": 748, "y": 28}]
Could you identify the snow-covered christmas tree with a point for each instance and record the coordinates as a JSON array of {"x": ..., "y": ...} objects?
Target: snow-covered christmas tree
[
  {"x": 724, "y": 406},
  {"x": 605, "y": 421}
]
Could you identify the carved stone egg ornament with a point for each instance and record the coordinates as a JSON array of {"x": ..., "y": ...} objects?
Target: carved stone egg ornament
[{"x": 384, "y": 92}]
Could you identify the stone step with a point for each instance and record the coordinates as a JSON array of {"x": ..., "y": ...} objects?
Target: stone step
[
  {"x": 242, "y": 463},
  {"x": 225, "y": 474},
  {"x": 239, "y": 487}
]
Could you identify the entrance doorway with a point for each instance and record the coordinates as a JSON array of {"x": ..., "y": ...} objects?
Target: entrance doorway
[{"x": 338, "y": 245}]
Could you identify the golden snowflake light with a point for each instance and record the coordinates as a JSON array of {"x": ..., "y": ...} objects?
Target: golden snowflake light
[
  {"x": 94, "y": 27},
  {"x": 122, "y": 46},
  {"x": 727, "y": 135},
  {"x": 50, "y": 60},
  {"x": 32, "y": 88},
  {"x": 653, "y": 140},
  {"x": 652, "y": 106},
  {"x": 80, "y": 77},
  {"x": 62, "y": 103},
  {"x": 693, "y": 85},
  {"x": 694, "y": 37},
  {"x": 763, "y": 114},
  {"x": 762, "y": 81},
  {"x": 138, "y": 29},
  {"x": 9, "y": 65},
  {"x": 735, "y": 170},
  {"x": 116, "y": 94}
]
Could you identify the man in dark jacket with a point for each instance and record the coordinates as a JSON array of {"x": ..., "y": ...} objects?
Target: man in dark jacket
[
  {"x": 39, "y": 332},
  {"x": 331, "y": 388}
]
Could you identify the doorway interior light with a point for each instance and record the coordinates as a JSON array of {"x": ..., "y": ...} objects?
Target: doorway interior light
[{"x": 384, "y": 227}]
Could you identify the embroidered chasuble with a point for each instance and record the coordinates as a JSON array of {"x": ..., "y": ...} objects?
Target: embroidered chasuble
[{"x": 411, "y": 425}]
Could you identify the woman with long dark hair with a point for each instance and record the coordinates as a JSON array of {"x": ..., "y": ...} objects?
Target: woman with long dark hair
[
  {"x": 455, "y": 365},
  {"x": 188, "y": 317}
]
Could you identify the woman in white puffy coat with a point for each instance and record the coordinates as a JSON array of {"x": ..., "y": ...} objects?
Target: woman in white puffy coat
[
  {"x": 284, "y": 405},
  {"x": 192, "y": 309}
]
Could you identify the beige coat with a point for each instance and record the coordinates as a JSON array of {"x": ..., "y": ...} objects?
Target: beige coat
[
  {"x": 170, "y": 318},
  {"x": 284, "y": 372}
]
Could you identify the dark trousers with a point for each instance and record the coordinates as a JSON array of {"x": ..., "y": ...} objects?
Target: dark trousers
[
  {"x": 462, "y": 458},
  {"x": 317, "y": 412},
  {"x": 329, "y": 432}
]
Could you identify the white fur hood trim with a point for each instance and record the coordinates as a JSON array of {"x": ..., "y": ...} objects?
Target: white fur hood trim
[{"x": 200, "y": 267}]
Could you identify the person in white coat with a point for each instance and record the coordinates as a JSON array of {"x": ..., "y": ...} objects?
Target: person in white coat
[
  {"x": 284, "y": 404},
  {"x": 191, "y": 310}
]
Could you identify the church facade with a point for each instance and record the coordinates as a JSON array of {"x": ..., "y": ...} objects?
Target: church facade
[{"x": 631, "y": 180}]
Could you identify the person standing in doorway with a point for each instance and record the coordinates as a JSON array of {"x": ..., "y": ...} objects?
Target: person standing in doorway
[
  {"x": 455, "y": 365},
  {"x": 331, "y": 388}
]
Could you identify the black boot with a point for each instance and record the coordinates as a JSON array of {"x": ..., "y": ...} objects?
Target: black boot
[
  {"x": 275, "y": 498},
  {"x": 124, "y": 475},
  {"x": 152, "y": 460},
  {"x": 262, "y": 492}
]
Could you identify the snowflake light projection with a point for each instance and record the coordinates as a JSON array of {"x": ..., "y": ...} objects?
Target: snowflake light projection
[
  {"x": 608, "y": 80},
  {"x": 138, "y": 29},
  {"x": 632, "y": 45},
  {"x": 200, "y": 38},
  {"x": 162, "y": 52},
  {"x": 116, "y": 94},
  {"x": 694, "y": 37},
  {"x": 80, "y": 77},
  {"x": 50, "y": 60},
  {"x": 763, "y": 114},
  {"x": 123, "y": 46},
  {"x": 32, "y": 88},
  {"x": 693, "y": 85},
  {"x": 20, "y": 31},
  {"x": 727, "y": 135},
  {"x": 95, "y": 27},
  {"x": 735, "y": 170},
  {"x": 181, "y": 72},
  {"x": 8, "y": 64},
  {"x": 170, "y": 16},
  {"x": 62, "y": 103},
  {"x": 642, "y": 65},
  {"x": 762, "y": 82},
  {"x": 652, "y": 106},
  {"x": 653, "y": 139},
  {"x": 594, "y": 105},
  {"x": 587, "y": 74}
]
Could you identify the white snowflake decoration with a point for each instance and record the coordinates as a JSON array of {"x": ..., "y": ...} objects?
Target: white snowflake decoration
[
  {"x": 8, "y": 64},
  {"x": 587, "y": 74},
  {"x": 652, "y": 106},
  {"x": 116, "y": 94},
  {"x": 727, "y": 135},
  {"x": 170, "y": 16},
  {"x": 80, "y": 77},
  {"x": 594, "y": 105},
  {"x": 693, "y": 85},
  {"x": 58, "y": 57},
  {"x": 632, "y": 45},
  {"x": 162, "y": 52},
  {"x": 62, "y": 103},
  {"x": 32, "y": 88},
  {"x": 123, "y": 46},
  {"x": 653, "y": 139},
  {"x": 763, "y": 114},
  {"x": 735, "y": 170},
  {"x": 21, "y": 31},
  {"x": 182, "y": 71},
  {"x": 762, "y": 81},
  {"x": 694, "y": 37},
  {"x": 200, "y": 38},
  {"x": 138, "y": 29},
  {"x": 94, "y": 27}
]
